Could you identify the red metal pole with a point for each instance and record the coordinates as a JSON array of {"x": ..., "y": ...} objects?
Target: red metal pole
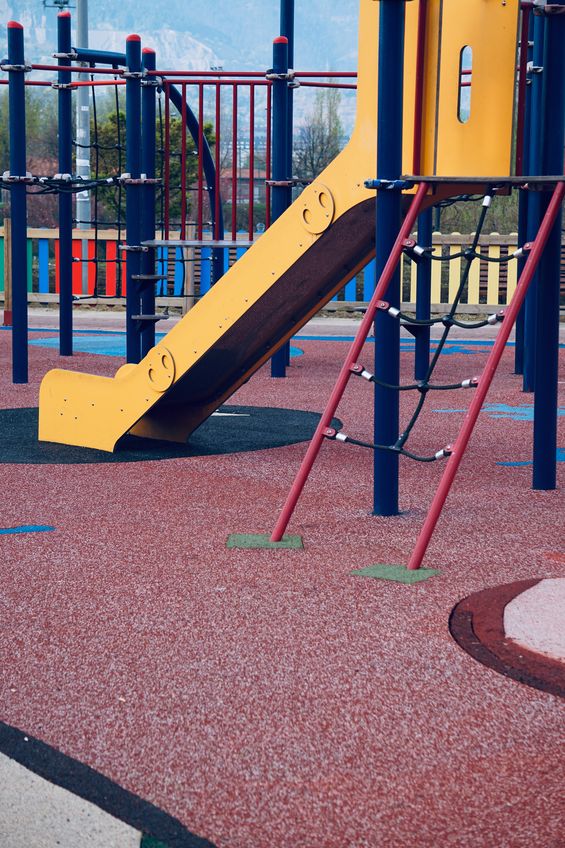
[
  {"x": 339, "y": 85},
  {"x": 251, "y": 155},
  {"x": 351, "y": 359},
  {"x": 91, "y": 83},
  {"x": 183, "y": 164},
  {"x": 234, "y": 153},
  {"x": 487, "y": 377},
  {"x": 217, "y": 160},
  {"x": 522, "y": 90},
  {"x": 76, "y": 70},
  {"x": 200, "y": 158},
  {"x": 167, "y": 157},
  {"x": 268, "y": 157}
]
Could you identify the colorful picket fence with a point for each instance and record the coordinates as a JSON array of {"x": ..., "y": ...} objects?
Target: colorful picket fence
[{"x": 189, "y": 271}]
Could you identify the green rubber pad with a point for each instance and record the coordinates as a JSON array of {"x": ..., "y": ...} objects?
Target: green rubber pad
[
  {"x": 396, "y": 573},
  {"x": 150, "y": 842},
  {"x": 262, "y": 540}
]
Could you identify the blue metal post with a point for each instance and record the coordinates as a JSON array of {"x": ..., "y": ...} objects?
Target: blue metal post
[
  {"x": 148, "y": 159},
  {"x": 547, "y": 312},
  {"x": 388, "y": 218},
  {"x": 523, "y": 213},
  {"x": 64, "y": 97},
  {"x": 16, "y": 98},
  {"x": 423, "y": 297},
  {"x": 287, "y": 29},
  {"x": 280, "y": 194},
  {"x": 535, "y": 153},
  {"x": 521, "y": 320},
  {"x": 133, "y": 194}
]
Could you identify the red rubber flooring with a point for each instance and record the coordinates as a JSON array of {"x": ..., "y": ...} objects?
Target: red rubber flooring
[{"x": 269, "y": 698}]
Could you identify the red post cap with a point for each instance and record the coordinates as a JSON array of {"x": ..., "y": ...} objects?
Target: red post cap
[
  {"x": 64, "y": 15},
  {"x": 281, "y": 39},
  {"x": 133, "y": 37},
  {"x": 148, "y": 50},
  {"x": 14, "y": 25}
]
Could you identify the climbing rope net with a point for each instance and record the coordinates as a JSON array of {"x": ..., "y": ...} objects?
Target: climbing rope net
[
  {"x": 448, "y": 320},
  {"x": 107, "y": 182}
]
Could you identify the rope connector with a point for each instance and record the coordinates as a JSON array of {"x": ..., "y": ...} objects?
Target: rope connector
[
  {"x": 471, "y": 383},
  {"x": 62, "y": 86},
  {"x": 7, "y": 177},
  {"x": 412, "y": 247},
  {"x": 487, "y": 200},
  {"x": 72, "y": 55},
  {"x": 444, "y": 452},
  {"x": 335, "y": 435},
  {"x": 127, "y": 179},
  {"x": 496, "y": 317},
  {"x": 360, "y": 371},
  {"x": 134, "y": 248},
  {"x": 524, "y": 249},
  {"x": 127, "y": 74}
]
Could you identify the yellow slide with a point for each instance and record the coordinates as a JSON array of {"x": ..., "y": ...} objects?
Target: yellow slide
[{"x": 305, "y": 257}]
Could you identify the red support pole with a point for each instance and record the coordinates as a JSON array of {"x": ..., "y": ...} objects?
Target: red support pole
[
  {"x": 234, "y": 153},
  {"x": 522, "y": 79},
  {"x": 486, "y": 378},
  {"x": 351, "y": 359},
  {"x": 200, "y": 159},
  {"x": 218, "y": 164},
  {"x": 251, "y": 155},
  {"x": 183, "y": 164},
  {"x": 167, "y": 158},
  {"x": 268, "y": 157}
]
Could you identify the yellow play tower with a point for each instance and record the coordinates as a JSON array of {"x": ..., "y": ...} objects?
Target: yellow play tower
[{"x": 459, "y": 91}]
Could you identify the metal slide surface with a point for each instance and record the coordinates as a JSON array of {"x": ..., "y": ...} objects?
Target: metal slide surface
[{"x": 296, "y": 267}]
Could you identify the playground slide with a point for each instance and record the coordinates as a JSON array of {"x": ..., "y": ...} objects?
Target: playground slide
[
  {"x": 302, "y": 260},
  {"x": 325, "y": 238},
  {"x": 298, "y": 265}
]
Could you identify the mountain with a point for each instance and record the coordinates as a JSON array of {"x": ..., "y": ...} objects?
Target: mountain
[{"x": 195, "y": 34}]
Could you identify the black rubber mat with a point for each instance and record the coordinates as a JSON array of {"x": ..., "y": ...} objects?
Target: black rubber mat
[{"x": 237, "y": 429}]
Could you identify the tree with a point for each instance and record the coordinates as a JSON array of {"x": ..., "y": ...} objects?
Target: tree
[
  {"x": 41, "y": 150},
  {"x": 319, "y": 139},
  {"x": 108, "y": 159}
]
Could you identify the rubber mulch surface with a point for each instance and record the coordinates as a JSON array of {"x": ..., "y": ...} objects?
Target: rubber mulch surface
[{"x": 239, "y": 428}]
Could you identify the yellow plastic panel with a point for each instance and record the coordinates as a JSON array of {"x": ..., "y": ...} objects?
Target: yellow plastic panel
[{"x": 481, "y": 146}]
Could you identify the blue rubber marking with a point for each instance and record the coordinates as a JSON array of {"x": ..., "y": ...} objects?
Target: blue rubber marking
[
  {"x": 108, "y": 344},
  {"x": 560, "y": 457},
  {"x": 523, "y": 412},
  {"x": 26, "y": 528},
  {"x": 467, "y": 347}
]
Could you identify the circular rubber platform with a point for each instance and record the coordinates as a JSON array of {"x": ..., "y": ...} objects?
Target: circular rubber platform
[
  {"x": 232, "y": 429},
  {"x": 480, "y": 625}
]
